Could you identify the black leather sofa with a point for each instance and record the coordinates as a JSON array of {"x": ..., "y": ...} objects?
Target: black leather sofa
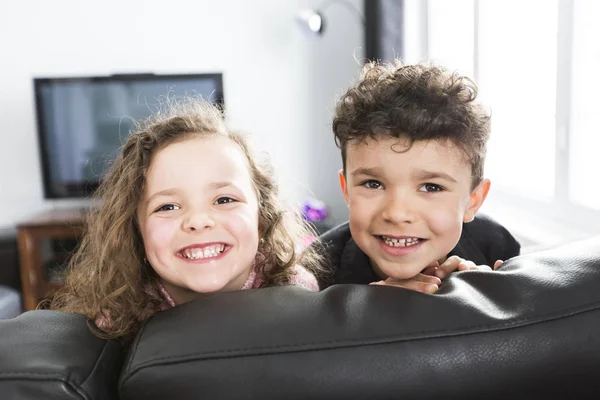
[{"x": 530, "y": 330}]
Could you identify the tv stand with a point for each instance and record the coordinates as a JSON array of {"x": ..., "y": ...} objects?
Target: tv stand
[{"x": 52, "y": 224}]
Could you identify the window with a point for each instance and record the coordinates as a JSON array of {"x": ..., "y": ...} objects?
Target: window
[
  {"x": 584, "y": 135},
  {"x": 516, "y": 75},
  {"x": 443, "y": 15},
  {"x": 536, "y": 64}
]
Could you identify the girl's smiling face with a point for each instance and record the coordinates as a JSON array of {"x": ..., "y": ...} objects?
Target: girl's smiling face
[{"x": 199, "y": 217}]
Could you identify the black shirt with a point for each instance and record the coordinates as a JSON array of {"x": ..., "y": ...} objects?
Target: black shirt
[{"x": 482, "y": 241}]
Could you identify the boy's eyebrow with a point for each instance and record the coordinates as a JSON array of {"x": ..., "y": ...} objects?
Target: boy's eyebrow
[
  {"x": 424, "y": 174},
  {"x": 376, "y": 171}
]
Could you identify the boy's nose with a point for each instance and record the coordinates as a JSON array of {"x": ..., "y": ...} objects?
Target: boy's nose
[
  {"x": 398, "y": 209},
  {"x": 198, "y": 220}
]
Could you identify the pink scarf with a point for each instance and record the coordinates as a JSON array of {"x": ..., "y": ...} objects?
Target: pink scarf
[{"x": 301, "y": 277}]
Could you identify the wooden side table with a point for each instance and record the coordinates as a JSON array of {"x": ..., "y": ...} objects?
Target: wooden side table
[{"x": 53, "y": 224}]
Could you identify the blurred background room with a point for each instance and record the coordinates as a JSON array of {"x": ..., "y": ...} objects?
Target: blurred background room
[{"x": 280, "y": 66}]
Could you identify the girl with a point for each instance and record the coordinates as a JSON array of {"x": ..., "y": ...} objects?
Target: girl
[{"x": 184, "y": 210}]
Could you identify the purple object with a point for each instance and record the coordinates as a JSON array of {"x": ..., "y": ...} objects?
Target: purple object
[{"x": 314, "y": 210}]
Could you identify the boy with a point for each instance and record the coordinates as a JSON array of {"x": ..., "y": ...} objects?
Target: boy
[{"x": 413, "y": 143}]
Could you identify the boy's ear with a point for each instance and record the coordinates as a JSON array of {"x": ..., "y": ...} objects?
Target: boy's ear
[
  {"x": 478, "y": 196},
  {"x": 343, "y": 184}
]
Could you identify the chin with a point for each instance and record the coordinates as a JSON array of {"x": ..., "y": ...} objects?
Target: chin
[
  {"x": 400, "y": 272},
  {"x": 206, "y": 289},
  {"x": 403, "y": 276}
]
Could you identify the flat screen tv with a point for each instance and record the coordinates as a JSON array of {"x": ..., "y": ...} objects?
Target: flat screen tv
[{"x": 83, "y": 121}]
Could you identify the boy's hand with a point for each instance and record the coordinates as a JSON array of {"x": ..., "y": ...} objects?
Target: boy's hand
[
  {"x": 420, "y": 283},
  {"x": 430, "y": 279},
  {"x": 456, "y": 263}
]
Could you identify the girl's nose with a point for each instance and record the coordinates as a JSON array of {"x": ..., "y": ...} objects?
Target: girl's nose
[{"x": 198, "y": 221}]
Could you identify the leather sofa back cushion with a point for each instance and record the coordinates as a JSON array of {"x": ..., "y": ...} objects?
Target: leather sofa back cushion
[{"x": 531, "y": 329}]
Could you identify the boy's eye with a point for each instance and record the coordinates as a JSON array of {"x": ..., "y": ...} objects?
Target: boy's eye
[
  {"x": 431, "y": 187},
  {"x": 224, "y": 200},
  {"x": 372, "y": 184},
  {"x": 168, "y": 207}
]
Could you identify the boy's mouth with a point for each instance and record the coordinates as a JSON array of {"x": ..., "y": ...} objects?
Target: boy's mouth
[{"x": 399, "y": 242}]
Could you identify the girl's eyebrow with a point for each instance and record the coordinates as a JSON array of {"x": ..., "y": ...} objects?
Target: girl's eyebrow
[
  {"x": 174, "y": 191},
  {"x": 165, "y": 192}
]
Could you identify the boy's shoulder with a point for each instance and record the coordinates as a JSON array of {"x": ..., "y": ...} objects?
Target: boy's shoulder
[
  {"x": 344, "y": 259},
  {"x": 484, "y": 240},
  {"x": 335, "y": 239},
  {"x": 333, "y": 243},
  {"x": 487, "y": 230}
]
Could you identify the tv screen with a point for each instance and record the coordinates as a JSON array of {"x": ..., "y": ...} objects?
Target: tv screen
[{"x": 82, "y": 122}]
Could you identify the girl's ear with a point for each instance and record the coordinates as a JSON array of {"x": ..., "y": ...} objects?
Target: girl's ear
[
  {"x": 476, "y": 200},
  {"x": 343, "y": 184}
]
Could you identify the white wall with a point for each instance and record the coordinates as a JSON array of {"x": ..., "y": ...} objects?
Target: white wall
[
  {"x": 279, "y": 84},
  {"x": 334, "y": 61}
]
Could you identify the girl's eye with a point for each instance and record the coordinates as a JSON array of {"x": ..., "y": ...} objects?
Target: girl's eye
[
  {"x": 431, "y": 187},
  {"x": 372, "y": 184},
  {"x": 224, "y": 200},
  {"x": 168, "y": 207}
]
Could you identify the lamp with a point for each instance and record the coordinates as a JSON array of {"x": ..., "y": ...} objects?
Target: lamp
[
  {"x": 313, "y": 22},
  {"x": 310, "y": 21}
]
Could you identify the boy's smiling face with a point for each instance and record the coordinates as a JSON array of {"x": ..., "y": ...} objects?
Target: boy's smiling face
[{"x": 407, "y": 205}]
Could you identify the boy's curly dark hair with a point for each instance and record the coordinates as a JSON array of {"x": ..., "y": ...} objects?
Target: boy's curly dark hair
[{"x": 418, "y": 102}]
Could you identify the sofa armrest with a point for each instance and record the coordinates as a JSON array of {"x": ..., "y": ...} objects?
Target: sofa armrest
[
  {"x": 10, "y": 302},
  {"x": 51, "y": 355}
]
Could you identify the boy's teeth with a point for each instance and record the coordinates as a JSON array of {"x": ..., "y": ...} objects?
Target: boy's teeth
[
  {"x": 400, "y": 242},
  {"x": 206, "y": 252}
]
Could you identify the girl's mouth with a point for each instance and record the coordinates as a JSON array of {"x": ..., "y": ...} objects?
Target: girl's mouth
[{"x": 201, "y": 253}]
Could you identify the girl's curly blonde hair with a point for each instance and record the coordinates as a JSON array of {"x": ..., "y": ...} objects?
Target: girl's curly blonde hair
[{"x": 108, "y": 275}]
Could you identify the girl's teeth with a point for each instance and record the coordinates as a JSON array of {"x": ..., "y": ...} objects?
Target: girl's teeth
[
  {"x": 400, "y": 242},
  {"x": 207, "y": 252}
]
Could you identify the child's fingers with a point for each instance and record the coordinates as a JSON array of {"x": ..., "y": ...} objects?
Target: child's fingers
[
  {"x": 425, "y": 279},
  {"x": 417, "y": 286},
  {"x": 423, "y": 287},
  {"x": 448, "y": 266},
  {"x": 497, "y": 264},
  {"x": 420, "y": 283},
  {"x": 456, "y": 263},
  {"x": 430, "y": 270},
  {"x": 419, "y": 278},
  {"x": 470, "y": 266},
  {"x": 466, "y": 265}
]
